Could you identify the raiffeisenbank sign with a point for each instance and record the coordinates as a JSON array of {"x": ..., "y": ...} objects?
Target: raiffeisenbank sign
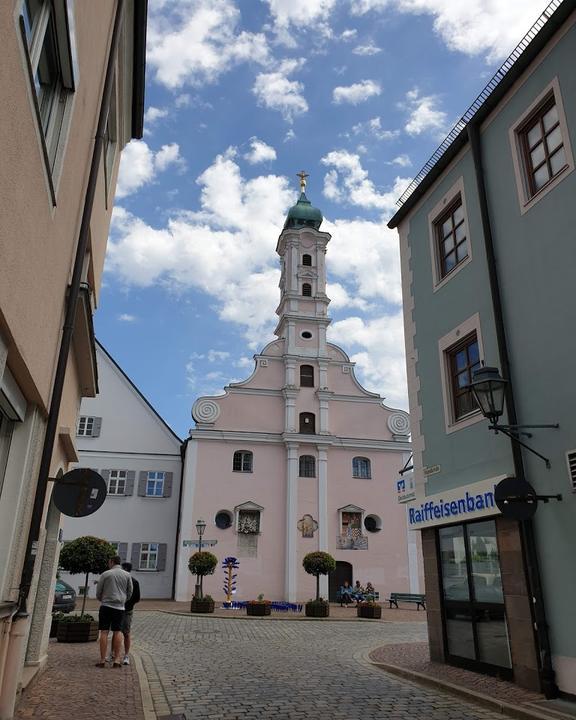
[{"x": 470, "y": 502}]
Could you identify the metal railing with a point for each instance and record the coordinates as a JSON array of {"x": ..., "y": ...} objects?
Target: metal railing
[{"x": 497, "y": 78}]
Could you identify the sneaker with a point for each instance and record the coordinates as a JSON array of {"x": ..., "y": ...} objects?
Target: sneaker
[
  {"x": 126, "y": 660},
  {"x": 110, "y": 659}
]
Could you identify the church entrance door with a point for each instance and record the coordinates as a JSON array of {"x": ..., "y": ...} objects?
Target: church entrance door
[{"x": 336, "y": 579}]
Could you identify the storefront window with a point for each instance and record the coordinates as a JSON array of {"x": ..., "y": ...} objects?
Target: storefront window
[
  {"x": 454, "y": 566},
  {"x": 485, "y": 563}
]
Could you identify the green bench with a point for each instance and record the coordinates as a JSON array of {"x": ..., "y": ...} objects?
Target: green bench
[{"x": 413, "y": 598}]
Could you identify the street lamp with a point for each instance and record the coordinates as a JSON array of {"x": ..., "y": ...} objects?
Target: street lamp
[
  {"x": 200, "y": 528},
  {"x": 489, "y": 389}
]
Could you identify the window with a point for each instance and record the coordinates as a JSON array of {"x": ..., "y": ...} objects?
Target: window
[
  {"x": 155, "y": 484},
  {"x": 306, "y": 335},
  {"x": 542, "y": 146},
  {"x": 306, "y": 289},
  {"x": 89, "y": 426},
  {"x": 307, "y": 466},
  {"x": 308, "y": 423},
  {"x": 44, "y": 26},
  {"x": 223, "y": 519},
  {"x": 361, "y": 468},
  {"x": 463, "y": 359},
  {"x": 373, "y": 523},
  {"x": 117, "y": 482},
  {"x": 307, "y": 260},
  {"x": 451, "y": 240},
  {"x": 148, "y": 556},
  {"x": 110, "y": 142},
  {"x": 242, "y": 461},
  {"x": 6, "y": 426},
  {"x": 306, "y": 376}
]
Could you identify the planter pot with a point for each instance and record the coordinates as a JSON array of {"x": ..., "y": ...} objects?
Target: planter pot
[
  {"x": 54, "y": 627},
  {"x": 202, "y": 605},
  {"x": 369, "y": 611},
  {"x": 258, "y": 609},
  {"x": 77, "y": 632},
  {"x": 314, "y": 609}
]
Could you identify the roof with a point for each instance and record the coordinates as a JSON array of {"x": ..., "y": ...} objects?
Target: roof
[
  {"x": 545, "y": 27},
  {"x": 139, "y": 68}
]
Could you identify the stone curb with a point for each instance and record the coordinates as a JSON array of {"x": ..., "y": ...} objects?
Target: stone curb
[
  {"x": 146, "y": 695},
  {"x": 286, "y": 619},
  {"x": 500, "y": 706}
]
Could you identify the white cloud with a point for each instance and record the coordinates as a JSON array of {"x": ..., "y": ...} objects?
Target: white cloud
[
  {"x": 374, "y": 128},
  {"x": 347, "y": 181},
  {"x": 401, "y": 161},
  {"x": 192, "y": 42},
  {"x": 348, "y": 35},
  {"x": 259, "y": 152},
  {"x": 275, "y": 91},
  {"x": 153, "y": 114},
  {"x": 139, "y": 165},
  {"x": 425, "y": 116},
  {"x": 301, "y": 14},
  {"x": 125, "y": 317},
  {"x": 369, "y": 49},
  {"x": 356, "y": 93},
  {"x": 473, "y": 27},
  {"x": 290, "y": 135}
]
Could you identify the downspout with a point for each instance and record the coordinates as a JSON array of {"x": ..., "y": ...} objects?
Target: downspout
[
  {"x": 546, "y": 670},
  {"x": 70, "y": 313},
  {"x": 183, "y": 449}
]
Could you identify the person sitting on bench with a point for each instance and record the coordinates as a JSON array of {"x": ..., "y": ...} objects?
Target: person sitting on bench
[
  {"x": 369, "y": 589},
  {"x": 346, "y": 593},
  {"x": 358, "y": 592}
]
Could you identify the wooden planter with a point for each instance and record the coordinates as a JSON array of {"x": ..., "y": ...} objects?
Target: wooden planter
[
  {"x": 374, "y": 612},
  {"x": 202, "y": 605},
  {"x": 77, "y": 632},
  {"x": 317, "y": 609},
  {"x": 258, "y": 609}
]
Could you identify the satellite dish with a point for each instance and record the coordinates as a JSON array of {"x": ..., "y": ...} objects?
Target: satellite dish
[
  {"x": 515, "y": 498},
  {"x": 79, "y": 492}
]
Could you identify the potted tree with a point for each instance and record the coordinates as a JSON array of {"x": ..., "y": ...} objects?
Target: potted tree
[
  {"x": 368, "y": 608},
  {"x": 200, "y": 564},
  {"x": 84, "y": 555},
  {"x": 318, "y": 563},
  {"x": 258, "y": 607}
]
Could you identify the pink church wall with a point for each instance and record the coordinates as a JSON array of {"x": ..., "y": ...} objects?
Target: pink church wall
[
  {"x": 257, "y": 413},
  {"x": 269, "y": 377}
]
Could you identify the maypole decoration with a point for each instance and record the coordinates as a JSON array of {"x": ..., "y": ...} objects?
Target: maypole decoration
[{"x": 229, "y": 565}]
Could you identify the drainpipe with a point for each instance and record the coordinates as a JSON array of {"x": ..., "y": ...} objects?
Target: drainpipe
[
  {"x": 183, "y": 448},
  {"x": 67, "y": 330},
  {"x": 546, "y": 670}
]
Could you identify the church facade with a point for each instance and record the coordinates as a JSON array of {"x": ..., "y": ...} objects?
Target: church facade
[{"x": 299, "y": 457}]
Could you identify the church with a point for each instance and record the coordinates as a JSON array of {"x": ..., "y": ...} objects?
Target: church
[{"x": 299, "y": 457}]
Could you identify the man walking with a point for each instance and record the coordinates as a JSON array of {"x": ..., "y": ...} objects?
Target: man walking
[
  {"x": 129, "y": 612},
  {"x": 113, "y": 590}
]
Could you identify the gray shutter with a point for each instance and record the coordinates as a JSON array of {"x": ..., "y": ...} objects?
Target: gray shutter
[
  {"x": 130, "y": 477},
  {"x": 135, "y": 556},
  {"x": 106, "y": 476},
  {"x": 142, "y": 483},
  {"x": 168, "y": 484},
  {"x": 123, "y": 551},
  {"x": 96, "y": 427},
  {"x": 162, "y": 552}
]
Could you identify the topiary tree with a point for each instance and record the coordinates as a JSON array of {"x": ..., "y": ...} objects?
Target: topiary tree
[
  {"x": 318, "y": 563},
  {"x": 200, "y": 564},
  {"x": 86, "y": 555}
]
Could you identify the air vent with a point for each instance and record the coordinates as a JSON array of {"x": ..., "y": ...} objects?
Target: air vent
[{"x": 571, "y": 461}]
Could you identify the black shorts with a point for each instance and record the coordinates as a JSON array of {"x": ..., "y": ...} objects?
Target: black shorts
[{"x": 110, "y": 618}]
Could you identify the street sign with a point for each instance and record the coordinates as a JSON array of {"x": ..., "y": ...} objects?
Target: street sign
[
  {"x": 79, "y": 493},
  {"x": 515, "y": 498},
  {"x": 196, "y": 543}
]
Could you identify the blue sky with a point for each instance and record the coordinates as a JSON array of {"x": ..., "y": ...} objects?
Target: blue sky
[{"x": 240, "y": 96}]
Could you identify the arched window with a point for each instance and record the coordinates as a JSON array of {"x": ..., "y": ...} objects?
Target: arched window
[
  {"x": 242, "y": 461},
  {"x": 361, "y": 468},
  {"x": 306, "y": 376},
  {"x": 306, "y": 289},
  {"x": 307, "y": 260},
  {"x": 308, "y": 423},
  {"x": 307, "y": 466}
]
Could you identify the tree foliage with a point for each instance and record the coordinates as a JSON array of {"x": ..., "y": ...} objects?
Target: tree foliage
[
  {"x": 86, "y": 555},
  {"x": 202, "y": 563},
  {"x": 319, "y": 563}
]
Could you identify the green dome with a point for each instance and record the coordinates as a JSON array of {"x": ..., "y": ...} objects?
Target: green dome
[{"x": 303, "y": 214}]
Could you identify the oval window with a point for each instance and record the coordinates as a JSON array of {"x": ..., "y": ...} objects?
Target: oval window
[
  {"x": 306, "y": 335},
  {"x": 223, "y": 519}
]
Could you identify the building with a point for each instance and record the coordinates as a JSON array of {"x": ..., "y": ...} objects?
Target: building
[
  {"x": 298, "y": 457},
  {"x": 486, "y": 236},
  {"x": 122, "y": 437},
  {"x": 72, "y": 78}
]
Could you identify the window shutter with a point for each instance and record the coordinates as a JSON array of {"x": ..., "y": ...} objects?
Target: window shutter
[
  {"x": 142, "y": 483},
  {"x": 162, "y": 553},
  {"x": 123, "y": 551},
  {"x": 130, "y": 477},
  {"x": 106, "y": 476},
  {"x": 571, "y": 459},
  {"x": 135, "y": 556},
  {"x": 96, "y": 427},
  {"x": 168, "y": 484}
]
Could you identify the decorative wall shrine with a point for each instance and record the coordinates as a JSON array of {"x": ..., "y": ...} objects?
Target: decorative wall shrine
[{"x": 307, "y": 526}]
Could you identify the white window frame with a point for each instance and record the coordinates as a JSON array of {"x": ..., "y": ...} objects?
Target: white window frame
[
  {"x": 157, "y": 477},
  {"x": 444, "y": 345},
  {"x": 119, "y": 477},
  {"x": 437, "y": 211},
  {"x": 85, "y": 428},
  {"x": 525, "y": 200},
  {"x": 148, "y": 551}
]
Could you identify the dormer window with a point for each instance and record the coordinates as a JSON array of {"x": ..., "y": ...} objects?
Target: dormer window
[
  {"x": 306, "y": 376},
  {"x": 307, "y": 260},
  {"x": 306, "y": 289}
]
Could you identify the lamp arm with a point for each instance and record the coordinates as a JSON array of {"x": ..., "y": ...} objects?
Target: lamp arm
[{"x": 503, "y": 429}]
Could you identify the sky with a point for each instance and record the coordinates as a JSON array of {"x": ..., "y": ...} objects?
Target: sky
[{"x": 240, "y": 96}]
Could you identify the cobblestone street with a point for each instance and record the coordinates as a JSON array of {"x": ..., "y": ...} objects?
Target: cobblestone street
[{"x": 250, "y": 669}]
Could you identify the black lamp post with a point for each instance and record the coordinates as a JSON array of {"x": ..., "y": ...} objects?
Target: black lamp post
[{"x": 200, "y": 528}]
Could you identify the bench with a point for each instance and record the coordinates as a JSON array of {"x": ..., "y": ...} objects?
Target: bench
[
  {"x": 418, "y": 600},
  {"x": 375, "y": 595}
]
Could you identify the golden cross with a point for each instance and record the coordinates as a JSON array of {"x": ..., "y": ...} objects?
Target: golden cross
[{"x": 302, "y": 175}]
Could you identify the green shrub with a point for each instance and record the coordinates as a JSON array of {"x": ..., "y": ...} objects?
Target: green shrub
[
  {"x": 86, "y": 555},
  {"x": 83, "y": 618},
  {"x": 318, "y": 563}
]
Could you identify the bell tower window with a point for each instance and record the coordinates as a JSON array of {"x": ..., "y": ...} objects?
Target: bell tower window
[
  {"x": 308, "y": 423},
  {"x": 306, "y": 289},
  {"x": 306, "y": 376},
  {"x": 307, "y": 260}
]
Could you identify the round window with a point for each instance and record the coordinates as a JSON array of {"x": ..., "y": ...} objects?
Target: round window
[
  {"x": 223, "y": 519},
  {"x": 373, "y": 523},
  {"x": 306, "y": 335}
]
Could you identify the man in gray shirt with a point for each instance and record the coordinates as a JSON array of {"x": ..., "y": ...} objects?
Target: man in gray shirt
[{"x": 114, "y": 588}]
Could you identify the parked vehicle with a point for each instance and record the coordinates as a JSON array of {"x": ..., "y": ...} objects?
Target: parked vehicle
[{"x": 64, "y": 597}]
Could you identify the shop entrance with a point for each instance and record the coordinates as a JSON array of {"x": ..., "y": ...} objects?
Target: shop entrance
[
  {"x": 336, "y": 579},
  {"x": 474, "y": 620}
]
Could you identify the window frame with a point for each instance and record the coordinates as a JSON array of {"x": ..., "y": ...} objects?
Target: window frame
[
  {"x": 304, "y": 262},
  {"x": 87, "y": 419},
  {"x": 306, "y": 289},
  {"x": 357, "y": 472},
  {"x": 456, "y": 390},
  {"x": 118, "y": 479},
  {"x": 441, "y": 255},
  {"x": 243, "y": 455},
  {"x": 309, "y": 377},
  {"x": 302, "y": 421},
  {"x": 307, "y": 466},
  {"x": 149, "y": 552},
  {"x": 155, "y": 480}
]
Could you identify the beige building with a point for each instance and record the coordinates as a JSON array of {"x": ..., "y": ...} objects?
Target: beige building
[{"x": 72, "y": 79}]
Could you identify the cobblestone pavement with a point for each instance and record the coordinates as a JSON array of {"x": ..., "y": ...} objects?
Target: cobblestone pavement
[{"x": 216, "y": 669}]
